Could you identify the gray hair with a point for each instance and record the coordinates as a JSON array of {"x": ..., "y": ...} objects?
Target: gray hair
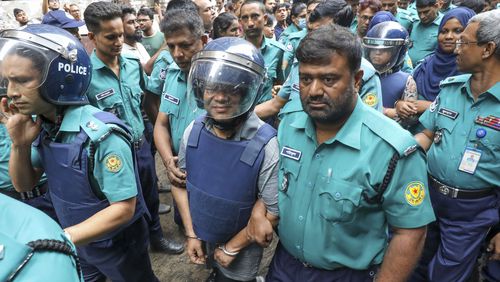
[{"x": 488, "y": 28}]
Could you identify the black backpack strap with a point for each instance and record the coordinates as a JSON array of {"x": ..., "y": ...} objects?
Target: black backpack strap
[
  {"x": 49, "y": 245},
  {"x": 378, "y": 199}
]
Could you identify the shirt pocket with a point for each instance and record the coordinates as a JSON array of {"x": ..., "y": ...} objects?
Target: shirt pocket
[
  {"x": 112, "y": 104},
  {"x": 446, "y": 125},
  {"x": 288, "y": 175},
  {"x": 339, "y": 200}
]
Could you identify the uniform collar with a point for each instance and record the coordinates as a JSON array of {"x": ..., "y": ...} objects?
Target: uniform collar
[
  {"x": 493, "y": 91},
  {"x": 72, "y": 119},
  {"x": 265, "y": 43},
  {"x": 181, "y": 76},
  {"x": 349, "y": 134},
  {"x": 98, "y": 64}
]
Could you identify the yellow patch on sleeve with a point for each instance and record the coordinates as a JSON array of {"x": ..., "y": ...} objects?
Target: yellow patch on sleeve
[
  {"x": 415, "y": 193},
  {"x": 370, "y": 99},
  {"x": 113, "y": 163}
]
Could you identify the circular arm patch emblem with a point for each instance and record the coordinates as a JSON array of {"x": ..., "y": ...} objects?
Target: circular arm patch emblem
[
  {"x": 370, "y": 99},
  {"x": 415, "y": 193},
  {"x": 113, "y": 163}
]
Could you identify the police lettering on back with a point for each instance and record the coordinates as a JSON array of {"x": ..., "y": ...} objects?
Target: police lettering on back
[{"x": 72, "y": 68}]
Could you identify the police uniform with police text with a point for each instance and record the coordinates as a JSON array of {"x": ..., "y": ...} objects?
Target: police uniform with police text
[
  {"x": 323, "y": 204},
  {"x": 91, "y": 154},
  {"x": 464, "y": 175}
]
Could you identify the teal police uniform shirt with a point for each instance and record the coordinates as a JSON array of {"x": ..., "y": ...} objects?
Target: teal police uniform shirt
[
  {"x": 370, "y": 92},
  {"x": 405, "y": 18},
  {"x": 113, "y": 162},
  {"x": 122, "y": 95},
  {"x": 21, "y": 224},
  {"x": 424, "y": 39},
  {"x": 159, "y": 73},
  {"x": 459, "y": 121},
  {"x": 180, "y": 108},
  {"x": 286, "y": 33},
  {"x": 322, "y": 209},
  {"x": 291, "y": 46},
  {"x": 272, "y": 51}
]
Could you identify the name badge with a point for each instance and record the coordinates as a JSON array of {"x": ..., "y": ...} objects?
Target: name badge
[
  {"x": 470, "y": 160},
  {"x": 295, "y": 86},
  {"x": 171, "y": 99},
  {"x": 105, "y": 94},
  {"x": 291, "y": 153},
  {"x": 448, "y": 113}
]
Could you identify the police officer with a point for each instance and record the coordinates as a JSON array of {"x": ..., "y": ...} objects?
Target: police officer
[
  {"x": 424, "y": 30},
  {"x": 346, "y": 173},
  {"x": 33, "y": 247},
  {"x": 85, "y": 153},
  {"x": 252, "y": 19},
  {"x": 287, "y": 101},
  {"x": 226, "y": 79},
  {"x": 385, "y": 47},
  {"x": 462, "y": 138},
  {"x": 183, "y": 29},
  {"x": 117, "y": 87}
]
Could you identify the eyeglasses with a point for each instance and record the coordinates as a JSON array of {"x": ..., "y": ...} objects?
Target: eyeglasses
[{"x": 460, "y": 43}]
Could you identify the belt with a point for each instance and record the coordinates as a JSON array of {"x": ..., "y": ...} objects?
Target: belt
[
  {"x": 456, "y": 193},
  {"x": 36, "y": 192}
]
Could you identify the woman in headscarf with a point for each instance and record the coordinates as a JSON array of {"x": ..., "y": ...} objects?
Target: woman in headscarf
[{"x": 442, "y": 64}]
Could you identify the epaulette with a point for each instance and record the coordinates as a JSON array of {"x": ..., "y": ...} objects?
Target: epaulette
[
  {"x": 95, "y": 129},
  {"x": 393, "y": 134},
  {"x": 277, "y": 44},
  {"x": 455, "y": 79}
]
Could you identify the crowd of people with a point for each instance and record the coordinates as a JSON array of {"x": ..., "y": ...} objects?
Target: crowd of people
[{"x": 364, "y": 134}]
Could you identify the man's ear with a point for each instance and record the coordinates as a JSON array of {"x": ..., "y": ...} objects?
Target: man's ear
[
  {"x": 91, "y": 36},
  {"x": 358, "y": 80},
  {"x": 489, "y": 50}
]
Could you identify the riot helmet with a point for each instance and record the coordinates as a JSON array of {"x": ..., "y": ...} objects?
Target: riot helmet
[
  {"x": 226, "y": 79},
  {"x": 385, "y": 46},
  {"x": 59, "y": 65}
]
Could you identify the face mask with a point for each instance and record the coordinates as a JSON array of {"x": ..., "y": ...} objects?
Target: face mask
[{"x": 302, "y": 23}]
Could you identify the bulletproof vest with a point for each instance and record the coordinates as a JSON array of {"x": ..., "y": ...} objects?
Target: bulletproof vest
[
  {"x": 67, "y": 168},
  {"x": 393, "y": 87},
  {"x": 222, "y": 180}
]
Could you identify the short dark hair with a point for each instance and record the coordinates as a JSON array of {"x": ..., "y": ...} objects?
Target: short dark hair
[
  {"x": 17, "y": 11},
  {"x": 425, "y": 3},
  {"x": 182, "y": 4},
  {"x": 340, "y": 12},
  {"x": 100, "y": 11},
  {"x": 128, "y": 10},
  {"x": 222, "y": 22},
  {"x": 279, "y": 6},
  {"x": 178, "y": 19},
  {"x": 318, "y": 45},
  {"x": 475, "y": 5},
  {"x": 297, "y": 8},
  {"x": 261, "y": 5},
  {"x": 146, "y": 12},
  {"x": 375, "y": 5}
]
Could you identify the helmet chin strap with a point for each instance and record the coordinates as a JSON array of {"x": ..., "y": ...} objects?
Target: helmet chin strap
[{"x": 230, "y": 124}]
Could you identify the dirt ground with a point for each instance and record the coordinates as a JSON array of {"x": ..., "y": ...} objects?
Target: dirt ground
[{"x": 173, "y": 268}]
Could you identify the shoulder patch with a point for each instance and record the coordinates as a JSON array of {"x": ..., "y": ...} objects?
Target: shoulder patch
[
  {"x": 94, "y": 128},
  {"x": 370, "y": 99},
  {"x": 113, "y": 163},
  {"x": 415, "y": 193}
]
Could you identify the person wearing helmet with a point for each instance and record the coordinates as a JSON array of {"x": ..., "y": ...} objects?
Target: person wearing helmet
[
  {"x": 85, "y": 153},
  {"x": 385, "y": 47},
  {"x": 225, "y": 80},
  {"x": 287, "y": 101},
  {"x": 118, "y": 87}
]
